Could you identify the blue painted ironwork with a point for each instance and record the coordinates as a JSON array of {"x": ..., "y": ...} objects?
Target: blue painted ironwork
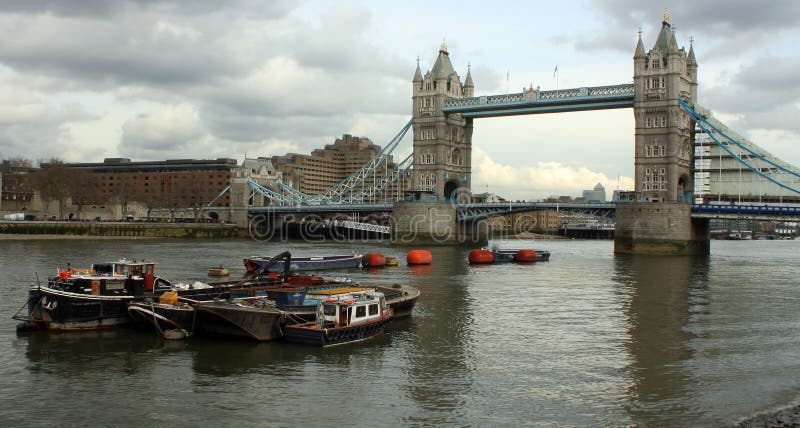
[
  {"x": 349, "y": 184},
  {"x": 268, "y": 193},
  {"x": 219, "y": 196},
  {"x": 786, "y": 212},
  {"x": 353, "y": 189},
  {"x": 473, "y": 212},
  {"x": 535, "y": 101},
  {"x": 713, "y": 131},
  {"x": 387, "y": 180}
]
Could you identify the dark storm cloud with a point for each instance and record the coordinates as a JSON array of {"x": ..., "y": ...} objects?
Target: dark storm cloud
[
  {"x": 731, "y": 25},
  {"x": 248, "y": 71},
  {"x": 109, "y": 8}
]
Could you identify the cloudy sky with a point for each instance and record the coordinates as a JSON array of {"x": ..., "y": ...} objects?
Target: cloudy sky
[{"x": 83, "y": 80}]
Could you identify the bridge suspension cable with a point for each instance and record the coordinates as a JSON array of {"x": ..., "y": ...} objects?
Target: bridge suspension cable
[
  {"x": 717, "y": 131},
  {"x": 353, "y": 189},
  {"x": 350, "y": 183}
]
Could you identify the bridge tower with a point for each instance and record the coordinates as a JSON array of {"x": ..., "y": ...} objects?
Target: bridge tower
[
  {"x": 442, "y": 161},
  {"x": 442, "y": 142},
  {"x": 660, "y": 219},
  {"x": 664, "y": 150}
]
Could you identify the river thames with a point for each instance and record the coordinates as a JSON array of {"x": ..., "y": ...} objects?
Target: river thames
[{"x": 588, "y": 338}]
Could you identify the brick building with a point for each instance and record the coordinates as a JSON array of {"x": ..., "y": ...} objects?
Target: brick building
[
  {"x": 323, "y": 168},
  {"x": 171, "y": 183}
]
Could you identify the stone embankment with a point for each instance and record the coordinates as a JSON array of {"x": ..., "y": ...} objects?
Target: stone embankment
[
  {"x": 788, "y": 416},
  {"x": 120, "y": 229}
]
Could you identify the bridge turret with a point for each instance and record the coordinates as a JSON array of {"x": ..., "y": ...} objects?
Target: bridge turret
[
  {"x": 469, "y": 87},
  {"x": 691, "y": 70}
]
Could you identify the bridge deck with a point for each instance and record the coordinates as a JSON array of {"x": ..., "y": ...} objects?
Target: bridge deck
[
  {"x": 534, "y": 102},
  {"x": 472, "y": 212}
]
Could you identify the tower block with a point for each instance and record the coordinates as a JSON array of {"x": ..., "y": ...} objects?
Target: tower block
[{"x": 659, "y": 221}]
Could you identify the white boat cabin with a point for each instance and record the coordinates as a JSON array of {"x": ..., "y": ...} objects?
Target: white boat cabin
[{"x": 351, "y": 309}]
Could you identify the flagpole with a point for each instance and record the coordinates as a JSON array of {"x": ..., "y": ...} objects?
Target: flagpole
[{"x": 555, "y": 74}]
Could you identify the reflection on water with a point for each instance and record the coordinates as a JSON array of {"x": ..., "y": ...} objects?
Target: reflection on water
[
  {"x": 438, "y": 354},
  {"x": 586, "y": 339},
  {"x": 658, "y": 290}
]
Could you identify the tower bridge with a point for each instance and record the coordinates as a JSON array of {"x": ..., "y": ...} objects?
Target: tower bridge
[{"x": 664, "y": 217}]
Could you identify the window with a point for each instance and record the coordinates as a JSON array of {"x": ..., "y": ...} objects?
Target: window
[
  {"x": 654, "y": 63},
  {"x": 428, "y": 134},
  {"x": 662, "y": 150},
  {"x": 662, "y": 171},
  {"x": 427, "y": 181},
  {"x": 361, "y": 311},
  {"x": 647, "y": 172},
  {"x": 427, "y": 158},
  {"x": 373, "y": 309},
  {"x": 663, "y": 121}
]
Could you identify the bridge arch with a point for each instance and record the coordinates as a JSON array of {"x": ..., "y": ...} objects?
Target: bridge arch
[{"x": 450, "y": 189}]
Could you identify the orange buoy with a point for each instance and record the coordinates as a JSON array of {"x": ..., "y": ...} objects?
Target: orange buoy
[
  {"x": 481, "y": 256},
  {"x": 419, "y": 257},
  {"x": 525, "y": 256},
  {"x": 373, "y": 260}
]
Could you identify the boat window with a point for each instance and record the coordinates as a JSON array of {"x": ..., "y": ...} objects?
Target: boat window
[
  {"x": 329, "y": 310},
  {"x": 361, "y": 311},
  {"x": 103, "y": 268},
  {"x": 373, "y": 309}
]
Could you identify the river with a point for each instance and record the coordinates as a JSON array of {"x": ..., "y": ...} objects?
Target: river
[{"x": 588, "y": 338}]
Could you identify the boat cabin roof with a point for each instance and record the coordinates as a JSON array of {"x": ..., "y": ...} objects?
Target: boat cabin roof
[{"x": 124, "y": 267}]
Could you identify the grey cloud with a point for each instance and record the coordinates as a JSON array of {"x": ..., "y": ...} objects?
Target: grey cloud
[
  {"x": 208, "y": 61},
  {"x": 767, "y": 84},
  {"x": 111, "y": 8},
  {"x": 728, "y": 26}
]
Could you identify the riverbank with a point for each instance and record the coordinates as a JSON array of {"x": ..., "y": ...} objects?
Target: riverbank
[
  {"x": 47, "y": 237},
  {"x": 116, "y": 230},
  {"x": 788, "y": 416}
]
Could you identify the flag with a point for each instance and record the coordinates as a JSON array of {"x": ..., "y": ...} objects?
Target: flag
[{"x": 555, "y": 71}]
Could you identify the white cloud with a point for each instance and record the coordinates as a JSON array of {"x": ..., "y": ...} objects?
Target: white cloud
[
  {"x": 173, "y": 129},
  {"x": 537, "y": 181}
]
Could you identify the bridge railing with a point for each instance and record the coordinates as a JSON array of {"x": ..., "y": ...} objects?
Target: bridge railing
[{"x": 569, "y": 94}]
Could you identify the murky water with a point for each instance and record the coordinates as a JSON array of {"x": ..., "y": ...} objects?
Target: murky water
[{"x": 588, "y": 338}]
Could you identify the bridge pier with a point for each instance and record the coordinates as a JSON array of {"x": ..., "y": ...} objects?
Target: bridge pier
[
  {"x": 434, "y": 223},
  {"x": 660, "y": 228}
]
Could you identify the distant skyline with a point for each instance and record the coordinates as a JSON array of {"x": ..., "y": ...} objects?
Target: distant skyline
[{"x": 88, "y": 79}]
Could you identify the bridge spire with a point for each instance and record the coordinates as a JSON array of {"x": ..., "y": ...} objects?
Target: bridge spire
[
  {"x": 639, "y": 47},
  {"x": 690, "y": 59},
  {"x": 418, "y": 73},
  {"x": 666, "y": 15},
  {"x": 469, "y": 87}
]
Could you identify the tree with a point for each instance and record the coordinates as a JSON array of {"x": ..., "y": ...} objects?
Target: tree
[{"x": 56, "y": 181}]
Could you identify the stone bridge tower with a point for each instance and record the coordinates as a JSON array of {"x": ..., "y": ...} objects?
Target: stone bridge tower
[
  {"x": 664, "y": 146},
  {"x": 660, "y": 220},
  {"x": 442, "y": 143}
]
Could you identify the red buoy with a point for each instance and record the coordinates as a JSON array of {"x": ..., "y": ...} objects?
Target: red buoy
[
  {"x": 373, "y": 260},
  {"x": 419, "y": 257},
  {"x": 481, "y": 256},
  {"x": 526, "y": 256}
]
